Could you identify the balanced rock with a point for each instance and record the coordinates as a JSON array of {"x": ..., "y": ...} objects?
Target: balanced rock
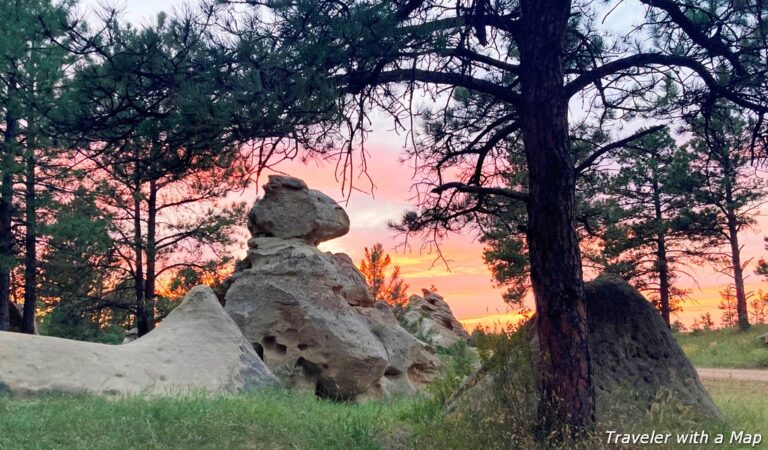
[
  {"x": 636, "y": 362},
  {"x": 290, "y": 209},
  {"x": 309, "y": 313},
  {"x": 197, "y": 347},
  {"x": 430, "y": 316}
]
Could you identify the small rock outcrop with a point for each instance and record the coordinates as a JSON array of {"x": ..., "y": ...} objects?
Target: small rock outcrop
[
  {"x": 197, "y": 347},
  {"x": 309, "y": 313},
  {"x": 636, "y": 362},
  {"x": 430, "y": 316}
]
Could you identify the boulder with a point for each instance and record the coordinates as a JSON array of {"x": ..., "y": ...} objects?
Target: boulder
[
  {"x": 636, "y": 362},
  {"x": 290, "y": 209},
  {"x": 309, "y": 313},
  {"x": 431, "y": 317},
  {"x": 197, "y": 347}
]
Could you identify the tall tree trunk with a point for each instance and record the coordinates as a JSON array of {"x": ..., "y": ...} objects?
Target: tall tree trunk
[
  {"x": 662, "y": 263},
  {"x": 6, "y": 212},
  {"x": 30, "y": 245},
  {"x": 149, "y": 290},
  {"x": 567, "y": 403},
  {"x": 733, "y": 240},
  {"x": 142, "y": 324}
]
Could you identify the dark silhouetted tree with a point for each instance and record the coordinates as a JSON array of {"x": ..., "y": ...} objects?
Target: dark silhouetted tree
[{"x": 526, "y": 62}]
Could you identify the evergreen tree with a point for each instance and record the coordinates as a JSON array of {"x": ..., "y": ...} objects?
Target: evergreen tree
[
  {"x": 151, "y": 118},
  {"x": 758, "y": 308},
  {"x": 31, "y": 69},
  {"x": 389, "y": 288},
  {"x": 659, "y": 229},
  {"x": 531, "y": 59},
  {"x": 83, "y": 284},
  {"x": 730, "y": 189},
  {"x": 727, "y": 305}
]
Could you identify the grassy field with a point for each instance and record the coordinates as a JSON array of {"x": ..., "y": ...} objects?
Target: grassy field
[
  {"x": 281, "y": 420},
  {"x": 278, "y": 419},
  {"x": 726, "y": 348}
]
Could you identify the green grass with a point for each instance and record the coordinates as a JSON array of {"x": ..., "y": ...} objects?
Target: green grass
[
  {"x": 726, "y": 347},
  {"x": 283, "y": 420},
  {"x": 264, "y": 420},
  {"x": 279, "y": 419},
  {"x": 744, "y": 404}
]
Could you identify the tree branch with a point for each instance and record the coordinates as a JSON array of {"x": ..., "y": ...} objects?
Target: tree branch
[{"x": 502, "y": 192}]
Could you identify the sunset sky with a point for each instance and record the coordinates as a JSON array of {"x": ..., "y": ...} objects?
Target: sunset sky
[{"x": 465, "y": 283}]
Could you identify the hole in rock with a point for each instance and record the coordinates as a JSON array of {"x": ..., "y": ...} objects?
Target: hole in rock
[
  {"x": 259, "y": 350},
  {"x": 392, "y": 372},
  {"x": 303, "y": 346},
  {"x": 270, "y": 344}
]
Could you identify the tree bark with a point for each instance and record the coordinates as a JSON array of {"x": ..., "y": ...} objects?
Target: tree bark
[
  {"x": 566, "y": 405},
  {"x": 30, "y": 246},
  {"x": 142, "y": 324},
  {"x": 662, "y": 263},
  {"x": 733, "y": 240},
  {"x": 149, "y": 289},
  {"x": 6, "y": 212}
]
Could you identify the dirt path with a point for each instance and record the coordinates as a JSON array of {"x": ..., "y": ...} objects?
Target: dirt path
[{"x": 733, "y": 374}]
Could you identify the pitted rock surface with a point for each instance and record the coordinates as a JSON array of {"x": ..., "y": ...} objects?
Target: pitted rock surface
[{"x": 309, "y": 313}]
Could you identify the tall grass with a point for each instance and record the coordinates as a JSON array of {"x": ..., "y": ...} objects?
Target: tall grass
[
  {"x": 279, "y": 419},
  {"x": 726, "y": 347}
]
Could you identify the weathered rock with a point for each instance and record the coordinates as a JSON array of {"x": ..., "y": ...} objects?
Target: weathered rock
[
  {"x": 763, "y": 338},
  {"x": 431, "y": 316},
  {"x": 290, "y": 209},
  {"x": 310, "y": 315},
  {"x": 636, "y": 362},
  {"x": 197, "y": 347}
]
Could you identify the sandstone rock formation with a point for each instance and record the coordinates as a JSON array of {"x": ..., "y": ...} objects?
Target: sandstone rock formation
[
  {"x": 430, "y": 316},
  {"x": 291, "y": 210},
  {"x": 309, "y": 313},
  {"x": 636, "y": 362},
  {"x": 197, "y": 347}
]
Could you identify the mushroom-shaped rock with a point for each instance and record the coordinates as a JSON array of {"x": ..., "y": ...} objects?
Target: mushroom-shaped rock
[
  {"x": 197, "y": 347},
  {"x": 309, "y": 313},
  {"x": 289, "y": 209}
]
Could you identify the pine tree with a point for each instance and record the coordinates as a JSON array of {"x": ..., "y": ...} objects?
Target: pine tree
[
  {"x": 758, "y": 307},
  {"x": 151, "y": 117},
  {"x": 727, "y": 305},
  {"x": 731, "y": 190},
  {"x": 659, "y": 229},
  {"x": 31, "y": 69},
  {"x": 383, "y": 286}
]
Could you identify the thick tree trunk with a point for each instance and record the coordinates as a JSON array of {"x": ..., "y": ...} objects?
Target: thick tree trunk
[
  {"x": 662, "y": 263},
  {"x": 149, "y": 289},
  {"x": 30, "y": 246},
  {"x": 567, "y": 406},
  {"x": 142, "y": 324},
  {"x": 6, "y": 214},
  {"x": 738, "y": 272},
  {"x": 662, "y": 268}
]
